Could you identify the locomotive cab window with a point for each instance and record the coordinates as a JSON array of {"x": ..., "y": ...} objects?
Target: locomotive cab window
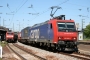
[
  {"x": 63, "y": 26},
  {"x": 10, "y": 33},
  {"x": 50, "y": 26},
  {"x": 70, "y": 25}
]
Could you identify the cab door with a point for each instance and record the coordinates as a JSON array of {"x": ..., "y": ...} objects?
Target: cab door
[{"x": 50, "y": 32}]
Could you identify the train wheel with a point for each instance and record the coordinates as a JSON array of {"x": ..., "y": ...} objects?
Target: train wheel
[
  {"x": 58, "y": 48},
  {"x": 62, "y": 48},
  {"x": 76, "y": 49}
]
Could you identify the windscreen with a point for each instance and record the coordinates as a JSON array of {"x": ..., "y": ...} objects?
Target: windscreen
[
  {"x": 66, "y": 26},
  {"x": 10, "y": 33},
  {"x": 70, "y": 25}
]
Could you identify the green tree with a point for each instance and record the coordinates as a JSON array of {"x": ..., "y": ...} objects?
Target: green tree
[{"x": 87, "y": 31}]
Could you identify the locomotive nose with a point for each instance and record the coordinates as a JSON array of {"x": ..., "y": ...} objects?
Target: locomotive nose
[{"x": 67, "y": 36}]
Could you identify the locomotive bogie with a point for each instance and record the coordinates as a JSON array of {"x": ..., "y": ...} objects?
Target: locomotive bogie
[{"x": 67, "y": 45}]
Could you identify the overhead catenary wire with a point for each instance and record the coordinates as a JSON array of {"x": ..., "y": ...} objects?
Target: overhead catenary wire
[
  {"x": 78, "y": 5},
  {"x": 9, "y": 7},
  {"x": 36, "y": 13},
  {"x": 87, "y": 7},
  {"x": 39, "y": 15},
  {"x": 48, "y": 10},
  {"x": 63, "y": 2},
  {"x": 56, "y": 6},
  {"x": 21, "y": 6},
  {"x": 17, "y": 11},
  {"x": 11, "y": 21}
]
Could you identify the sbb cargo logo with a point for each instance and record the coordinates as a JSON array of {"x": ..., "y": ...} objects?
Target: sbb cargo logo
[{"x": 34, "y": 33}]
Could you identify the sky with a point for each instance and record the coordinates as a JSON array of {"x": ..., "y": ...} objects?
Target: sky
[{"x": 18, "y": 14}]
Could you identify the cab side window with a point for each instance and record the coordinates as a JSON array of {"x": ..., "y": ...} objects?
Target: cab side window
[{"x": 51, "y": 26}]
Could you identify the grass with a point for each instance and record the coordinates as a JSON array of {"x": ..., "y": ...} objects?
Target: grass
[
  {"x": 3, "y": 43},
  {"x": 88, "y": 39},
  {"x": 0, "y": 58}
]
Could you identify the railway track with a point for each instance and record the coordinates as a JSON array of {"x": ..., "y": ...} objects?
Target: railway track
[
  {"x": 84, "y": 42},
  {"x": 22, "y": 58},
  {"x": 77, "y": 55},
  {"x": 82, "y": 56},
  {"x": 24, "y": 54}
]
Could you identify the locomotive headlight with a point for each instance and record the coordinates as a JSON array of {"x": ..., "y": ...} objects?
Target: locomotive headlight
[
  {"x": 7, "y": 36},
  {"x": 59, "y": 38},
  {"x": 74, "y": 38},
  {"x": 11, "y": 36}
]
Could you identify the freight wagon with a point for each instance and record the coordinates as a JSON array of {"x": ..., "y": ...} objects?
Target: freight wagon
[{"x": 25, "y": 33}]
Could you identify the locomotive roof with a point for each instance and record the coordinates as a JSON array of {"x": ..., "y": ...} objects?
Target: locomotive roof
[
  {"x": 35, "y": 25},
  {"x": 10, "y": 32},
  {"x": 58, "y": 18},
  {"x": 26, "y": 27}
]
